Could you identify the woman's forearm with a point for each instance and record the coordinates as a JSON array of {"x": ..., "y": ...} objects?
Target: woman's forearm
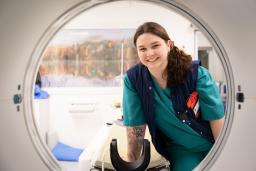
[
  {"x": 216, "y": 126},
  {"x": 135, "y": 136}
]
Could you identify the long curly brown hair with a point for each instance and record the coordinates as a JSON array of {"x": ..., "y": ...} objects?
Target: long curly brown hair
[{"x": 179, "y": 63}]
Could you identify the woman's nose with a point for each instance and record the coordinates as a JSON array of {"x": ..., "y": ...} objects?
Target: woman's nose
[{"x": 149, "y": 52}]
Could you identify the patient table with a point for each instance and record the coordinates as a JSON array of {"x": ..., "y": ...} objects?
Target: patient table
[{"x": 96, "y": 155}]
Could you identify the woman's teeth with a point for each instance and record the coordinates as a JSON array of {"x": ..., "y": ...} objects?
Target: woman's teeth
[{"x": 152, "y": 60}]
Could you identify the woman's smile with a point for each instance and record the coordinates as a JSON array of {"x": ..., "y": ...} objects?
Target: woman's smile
[{"x": 152, "y": 59}]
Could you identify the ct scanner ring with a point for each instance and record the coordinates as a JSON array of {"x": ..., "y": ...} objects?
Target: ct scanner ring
[{"x": 74, "y": 11}]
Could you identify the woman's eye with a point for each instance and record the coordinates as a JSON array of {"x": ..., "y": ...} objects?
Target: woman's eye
[
  {"x": 142, "y": 49},
  {"x": 155, "y": 46}
]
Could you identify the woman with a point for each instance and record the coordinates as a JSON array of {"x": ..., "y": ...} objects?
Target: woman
[{"x": 151, "y": 97}]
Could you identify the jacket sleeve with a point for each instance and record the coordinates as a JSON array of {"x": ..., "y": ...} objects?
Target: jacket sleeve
[
  {"x": 210, "y": 101},
  {"x": 132, "y": 109}
]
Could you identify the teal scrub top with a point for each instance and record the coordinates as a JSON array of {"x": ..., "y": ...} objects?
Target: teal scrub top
[{"x": 186, "y": 147}]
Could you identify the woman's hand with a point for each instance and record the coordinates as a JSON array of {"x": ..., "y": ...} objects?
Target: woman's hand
[{"x": 135, "y": 137}]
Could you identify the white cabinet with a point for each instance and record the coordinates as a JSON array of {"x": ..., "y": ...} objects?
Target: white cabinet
[{"x": 41, "y": 115}]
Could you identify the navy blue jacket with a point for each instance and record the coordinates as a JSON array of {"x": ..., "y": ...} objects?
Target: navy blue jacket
[{"x": 142, "y": 82}]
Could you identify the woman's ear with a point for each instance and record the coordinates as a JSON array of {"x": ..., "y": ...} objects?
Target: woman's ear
[{"x": 170, "y": 43}]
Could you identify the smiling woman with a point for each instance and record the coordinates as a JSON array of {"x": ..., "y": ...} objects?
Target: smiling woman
[
  {"x": 86, "y": 60},
  {"x": 157, "y": 93}
]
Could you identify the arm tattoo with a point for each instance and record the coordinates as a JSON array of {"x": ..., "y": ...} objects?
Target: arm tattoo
[
  {"x": 138, "y": 132},
  {"x": 135, "y": 136}
]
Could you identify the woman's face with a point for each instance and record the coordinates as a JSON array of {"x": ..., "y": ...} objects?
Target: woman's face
[{"x": 153, "y": 51}]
